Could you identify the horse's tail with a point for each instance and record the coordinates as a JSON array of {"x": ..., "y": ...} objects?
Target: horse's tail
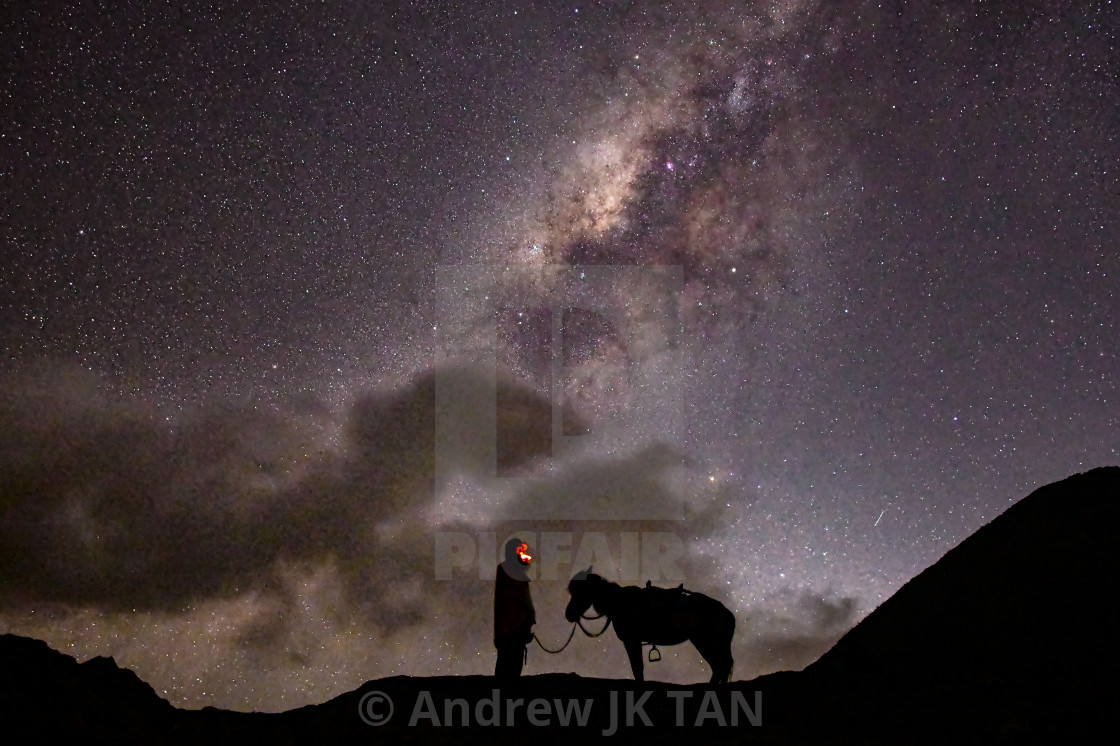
[
  {"x": 729, "y": 618},
  {"x": 731, "y": 667}
]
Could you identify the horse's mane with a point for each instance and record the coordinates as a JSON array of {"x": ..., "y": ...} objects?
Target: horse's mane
[{"x": 585, "y": 575}]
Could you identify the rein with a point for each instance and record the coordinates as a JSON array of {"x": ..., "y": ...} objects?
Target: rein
[
  {"x": 593, "y": 634},
  {"x": 573, "y": 633},
  {"x": 579, "y": 621},
  {"x": 653, "y": 646}
]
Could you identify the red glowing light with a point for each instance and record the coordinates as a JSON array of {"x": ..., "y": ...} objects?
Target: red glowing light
[{"x": 523, "y": 554}]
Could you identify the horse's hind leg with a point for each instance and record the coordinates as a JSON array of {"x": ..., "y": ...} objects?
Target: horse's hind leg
[
  {"x": 634, "y": 652},
  {"x": 721, "y": 658},
  {"x": 721, "y": 669},
  {"x": 718, "y": 656}
]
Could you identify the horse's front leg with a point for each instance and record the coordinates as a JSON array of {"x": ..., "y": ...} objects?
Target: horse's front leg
[{"x": 634, "y": 651}]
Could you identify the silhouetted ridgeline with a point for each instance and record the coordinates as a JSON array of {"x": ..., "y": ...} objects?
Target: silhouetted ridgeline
[
  {"x": 46, "y": 692},
  {"x": 1021, "y": 616},
  {"x": 1008, "y": 639}
]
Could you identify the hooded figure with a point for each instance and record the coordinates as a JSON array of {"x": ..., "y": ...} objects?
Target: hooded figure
[{"x": 514, "y": 616}]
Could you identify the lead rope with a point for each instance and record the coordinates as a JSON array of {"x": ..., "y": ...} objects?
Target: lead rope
[{"x": 554, "y": 652}]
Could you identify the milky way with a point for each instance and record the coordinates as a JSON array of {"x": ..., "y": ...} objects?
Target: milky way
[{"x": 304, "y": 312}]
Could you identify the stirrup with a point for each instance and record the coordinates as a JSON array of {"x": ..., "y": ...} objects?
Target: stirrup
[{"x": 653, "y": 649}]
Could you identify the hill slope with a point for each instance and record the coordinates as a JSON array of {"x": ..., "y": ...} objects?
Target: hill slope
[
  {"x": 1020, "y": 616},
  {"x": 1008, "y": 638},
  {"x": 1029, "y": 592}
]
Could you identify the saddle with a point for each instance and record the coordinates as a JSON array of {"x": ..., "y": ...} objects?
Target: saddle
[{"x": 662, "y": 600}]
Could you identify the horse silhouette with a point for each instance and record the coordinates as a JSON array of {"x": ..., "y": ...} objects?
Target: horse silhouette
[{"x": 661, "y": 616}]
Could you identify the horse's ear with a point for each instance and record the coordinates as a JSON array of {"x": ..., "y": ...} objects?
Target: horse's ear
[{"x": 589, "y": 569}]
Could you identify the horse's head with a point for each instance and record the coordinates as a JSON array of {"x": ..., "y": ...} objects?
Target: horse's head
[{"x": 582, "y": 588}]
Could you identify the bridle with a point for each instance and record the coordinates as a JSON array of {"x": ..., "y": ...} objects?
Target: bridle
[
  {"x": 592, "y": 618},
  {"x": 572, "y": 634}
]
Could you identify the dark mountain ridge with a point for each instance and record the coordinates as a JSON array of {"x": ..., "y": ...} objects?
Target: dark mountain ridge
[
  {"x": 1031, "y": 590},
  {"x": 1012, "y": 631},
  {"x": 1006, "y": 639}
]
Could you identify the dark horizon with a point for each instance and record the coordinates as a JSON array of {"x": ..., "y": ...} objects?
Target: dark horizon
[{"x": 1003, "y": 639}]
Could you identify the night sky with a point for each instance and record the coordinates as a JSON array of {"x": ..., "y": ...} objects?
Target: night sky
[{"x": 834, "y": 284}]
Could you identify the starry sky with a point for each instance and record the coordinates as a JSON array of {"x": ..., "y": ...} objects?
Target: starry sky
[{"x": 303, "y": 310}]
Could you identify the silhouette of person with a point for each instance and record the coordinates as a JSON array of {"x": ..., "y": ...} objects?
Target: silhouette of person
[{"x": 514, "y": 615}]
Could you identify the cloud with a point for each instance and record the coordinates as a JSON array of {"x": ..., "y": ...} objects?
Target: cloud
[
  {"x": 106, "y": 505},
  {"x": 793, "y": 630},
  {"x": 253, "y": 519},
  {"x": 638, "y": 486}
]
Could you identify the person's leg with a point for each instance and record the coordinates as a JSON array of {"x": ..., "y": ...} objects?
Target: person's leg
[
  {"x": 510, "y": 659},
  {"x": 512, "y": 650}
]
